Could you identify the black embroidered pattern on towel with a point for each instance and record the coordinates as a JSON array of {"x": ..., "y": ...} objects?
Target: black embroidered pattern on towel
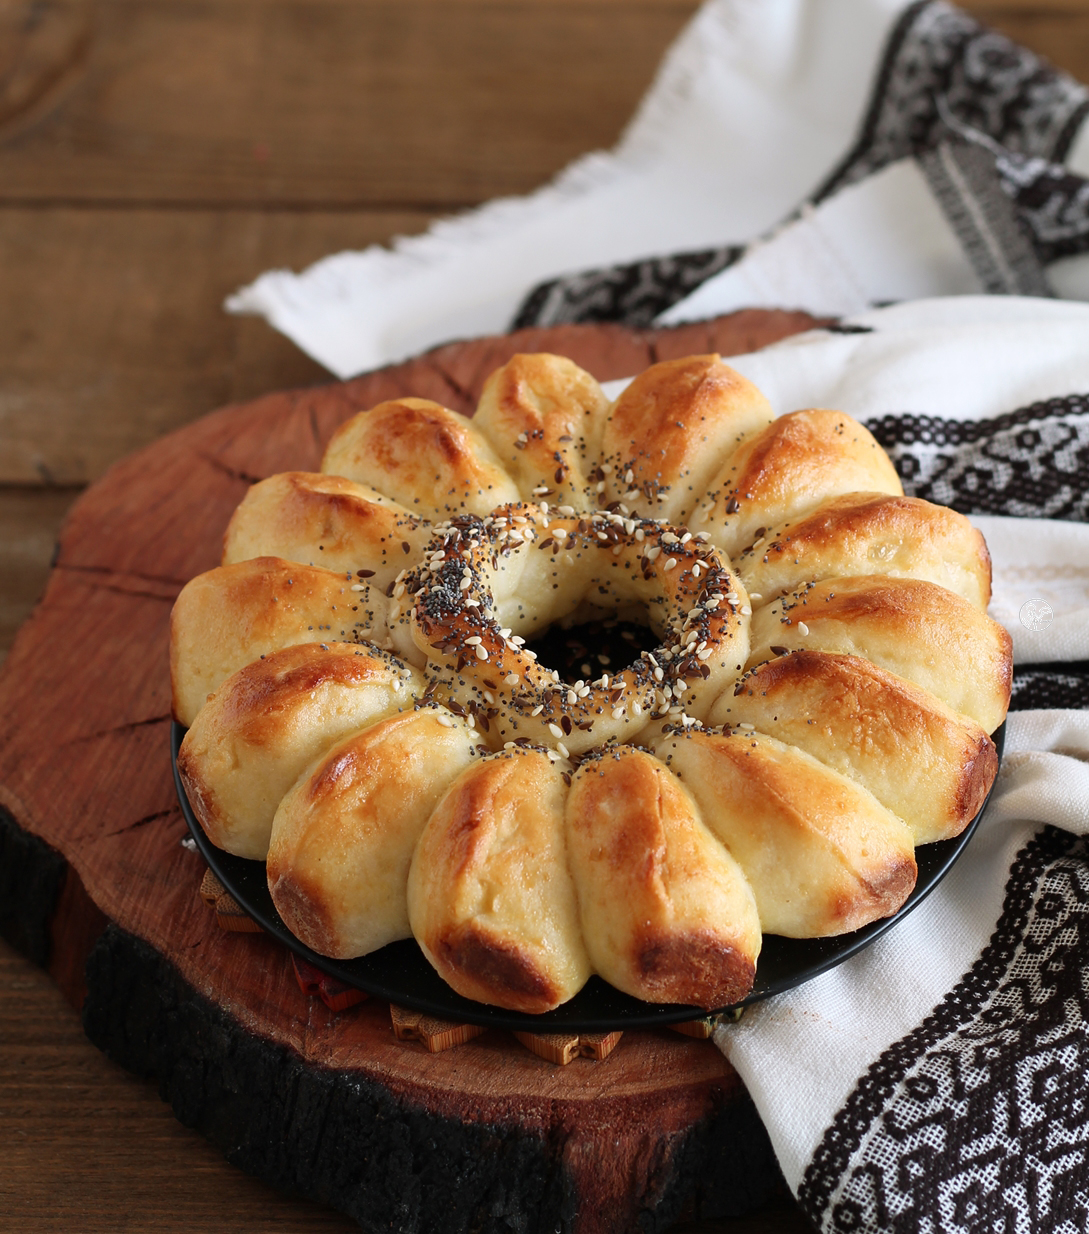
[
  {"x": 1030, "y": 463},
  {"x": 1052, "y": 204},
  {"x": 998, "y": 244},
  {"x": 634, "y": 293},
  {"x": 938, "y": 63},
  {"x": 978, "y": 1120},
  {"x": 1051, "y": 685}
]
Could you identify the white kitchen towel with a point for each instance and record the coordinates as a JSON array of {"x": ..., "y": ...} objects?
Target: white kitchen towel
[
  {"x": 761, "y": 109},
  {"x": 937, "y": 1081}
]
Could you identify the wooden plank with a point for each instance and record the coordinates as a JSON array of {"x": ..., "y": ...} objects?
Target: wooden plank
[
  {"x": 112, "y": 330},
  {"x": 372, "y": 103},
  {"x": 1056, "y": 29},
  {"x": 30, "y": 521},
  {"x": 424, "y": 102}
]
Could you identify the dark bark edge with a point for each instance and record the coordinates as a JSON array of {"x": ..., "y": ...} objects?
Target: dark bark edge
[
  {"x": 31, "y": 877},
  {"x": 340, "y": 1138}
]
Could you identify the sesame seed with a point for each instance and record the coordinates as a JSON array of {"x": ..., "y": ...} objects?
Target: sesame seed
[
  {"x": 445, "y": 721},
  {"x": 802, "y": 628},
  {"x": 474, "y": 640},
  {"x": 482, "y": 653},
  {"x": 564, "y": 751},
  {"x": 746, "y": 610},
  {"x": 537, "y": 710},
  {"x": 555, "y": 730},
  {"x": 618, "y": 712},
  {"x": 670, "y": 563},
  {"x": 359, "y": 586}
]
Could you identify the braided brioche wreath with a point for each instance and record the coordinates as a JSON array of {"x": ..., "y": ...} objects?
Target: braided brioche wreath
[{"x": 365, "y": 715}]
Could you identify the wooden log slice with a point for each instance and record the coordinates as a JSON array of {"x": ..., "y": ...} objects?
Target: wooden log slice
[{"x": 95, "y": 882}]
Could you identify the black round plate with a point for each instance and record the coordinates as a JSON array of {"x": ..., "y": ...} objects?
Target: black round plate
[{"x": 399, "y": 972}]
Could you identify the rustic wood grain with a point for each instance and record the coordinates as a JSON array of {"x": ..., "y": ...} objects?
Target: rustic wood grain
[
  {"x": 374, "y": 103},
  {"x": 30, "y": 521},
  {"x": 112, "y": 330}
]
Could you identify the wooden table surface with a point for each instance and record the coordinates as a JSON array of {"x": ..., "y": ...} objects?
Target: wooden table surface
[{"x": 154, "y": 156}]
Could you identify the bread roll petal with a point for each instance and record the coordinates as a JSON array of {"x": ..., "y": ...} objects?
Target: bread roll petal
[
  {"x": 822, "y": 855},
  {"x": 544, "y": 417},
  {"x": 326, "y": 521},
  {"x": 234, "y": 614},
  {"x": 666, "y": 912},
  {"x": 267, "y": 722},
  {"x": 784, "y": 471},
  {"x": 670, "y": 430},
  {"x": 343, "y": 837},
  {"x": 429, "y": 459},
  {"x": 914, "y": 629},
  {"x": 923, "y": 761},
  {"x": 874, "y": 534},
  {"x": 490, "y": 898}
]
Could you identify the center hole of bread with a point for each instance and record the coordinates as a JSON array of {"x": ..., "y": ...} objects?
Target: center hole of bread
[{"x": 584, "y": 650}]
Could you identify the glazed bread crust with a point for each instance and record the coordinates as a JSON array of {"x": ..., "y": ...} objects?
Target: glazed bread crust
[
  {"x": 343, "y": 837},
  {"x": 872, "y": 534},
  {"x": 670, "y": 428},
  {"x": 428, "y": 459},
  {"x": 326, "y": 521},
  {"x": 929, "y": 765},
  {"x": 822, "y": 855},
  {"x": 666, "y": 912},
  {"x": 787, "y": 469},
  {"x": 915, "y": 629},
  {"x": 251, "y": 741},
  {"x": 489, "y": 895},
  {"x": 233, "y": 615},
  {"x": 544, "y": 416}
]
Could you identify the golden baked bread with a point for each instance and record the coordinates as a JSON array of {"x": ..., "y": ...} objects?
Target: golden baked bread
[{"x": 365, "y": 706}]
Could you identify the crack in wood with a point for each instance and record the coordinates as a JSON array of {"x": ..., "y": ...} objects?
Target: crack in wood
[
  {"x": 226, "y": 468},
  {"x": 166, "y": 580},
  {"x": 116, "y": 730},
  {"x": 143, "y": 822}
]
